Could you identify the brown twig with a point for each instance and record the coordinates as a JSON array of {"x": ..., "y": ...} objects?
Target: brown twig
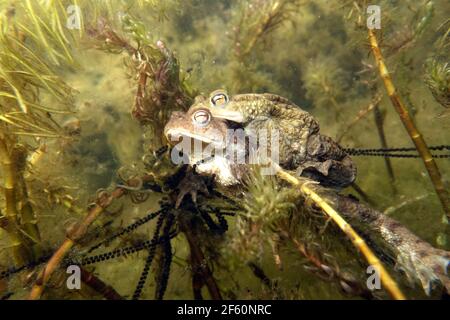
[
  {"x": 379, "y": 121},
  {"x": 414, "y": 133},
  {"x": 361, "y": 115},
  {"x": 261, "y": 275},
  {"x": 72, "y": 237},
  {"x": 197, "y": 279},
  {"x": 272, "y": 15},
  {"x": 349, "y": 285},
  {"x": 99, "y": 286},
  {"x": 21, "y": 253},
  {"x": 28, "y": 221},
  {"x": 362, "y": 193},
  {"x": 199, "y": 257},
  {"x": 306, "y": 189}
]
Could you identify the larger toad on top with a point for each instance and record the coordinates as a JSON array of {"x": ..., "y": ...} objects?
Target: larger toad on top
[{"x": 301, "y": 146}]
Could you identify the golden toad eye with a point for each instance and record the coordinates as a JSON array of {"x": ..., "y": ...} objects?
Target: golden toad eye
[
  {"x": 219, "y": 98},
  {"x": 201, "y": 118}
]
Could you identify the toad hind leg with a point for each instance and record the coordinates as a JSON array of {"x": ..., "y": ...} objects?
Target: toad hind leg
[
  {"x": 330, "y": 173},
  {"x": 327, "y": 163}
]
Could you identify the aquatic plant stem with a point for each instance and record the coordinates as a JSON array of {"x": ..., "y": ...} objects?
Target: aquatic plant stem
[
  {"x": 261, "y": 275},
  {"x": 27, "y": 217},
  {"x": 388, "y": 282},
  {"x": 29, "y": 224},
  {"x": 362, "y": 193},
  {"x": 199, "y": 258},
  {"x": 21, "y": 254},
  {"x": 269, "y": 21},
  {"x": 72, "y": 236},
  {"x": 361, "y": 115},
  {"x": 99, "y": 286},
  {"x": 332, "y": 272},
  {"x": 379, "y": 121},
  {"x": 9, "y": 179},
  {"x": 416, "y": 137}
]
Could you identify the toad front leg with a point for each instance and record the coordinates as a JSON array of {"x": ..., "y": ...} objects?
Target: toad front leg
[{"x": 192, "y": 183}]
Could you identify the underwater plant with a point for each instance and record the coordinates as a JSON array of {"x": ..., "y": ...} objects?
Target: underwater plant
[
  {"x": 400, "y": 106},
  {"x": 160, "y": 86},
  {"x": 25, "y": 80},
  {"x": 256, "y": 21},
  {"x": 438, "y": 79},
  {"x": 325, "y": 83},
  {"x": 413, "y": 132}
]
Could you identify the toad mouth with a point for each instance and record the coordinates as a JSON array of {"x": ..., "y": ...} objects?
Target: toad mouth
[{"x": 175, "y": 135}]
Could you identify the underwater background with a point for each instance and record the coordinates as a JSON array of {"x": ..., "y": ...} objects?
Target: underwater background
[{"x": 75, "y": 124}]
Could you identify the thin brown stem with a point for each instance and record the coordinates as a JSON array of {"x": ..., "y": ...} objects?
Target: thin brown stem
[
  {"x": 261, "y": 275},
  {"x": 362, "y": 193},
  {"x": 358, "y": 242},
  {"x": 379, "y": 121},
  {"x": 199, "y": 257},
  {"x": 197, "y": 280},
  {"x": 329, "y": 271},
  {"x": 414, "y": 133},
  {"x": 72, "y": 236},
  {"x": 28, "y": 220},
  {"x": 361, "y": 115},
  {"x": 99, "y": 285},
  {"x": 21, "y": 253}
]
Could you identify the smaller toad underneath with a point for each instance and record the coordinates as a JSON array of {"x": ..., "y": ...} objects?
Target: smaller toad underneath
[{"x": 204, "y": 142}]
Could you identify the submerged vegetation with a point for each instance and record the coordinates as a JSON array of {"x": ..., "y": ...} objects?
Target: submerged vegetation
[{"x": 87, "y": 177}]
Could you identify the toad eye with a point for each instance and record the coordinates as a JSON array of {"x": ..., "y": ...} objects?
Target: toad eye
[
  {"x": 218, "y": 99},
  {"x": 201, "y": 118}
]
